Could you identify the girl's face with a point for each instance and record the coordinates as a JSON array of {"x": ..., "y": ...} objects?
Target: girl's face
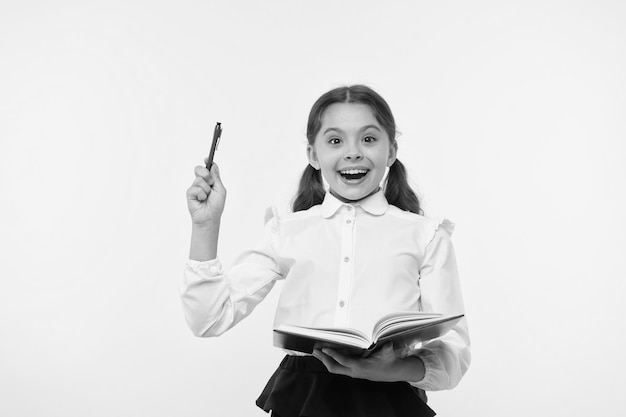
[{"x": 353, "y": 151}]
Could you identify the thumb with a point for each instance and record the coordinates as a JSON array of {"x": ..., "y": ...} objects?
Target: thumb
[
  {"x": 215, "y": 173},
  {"x": 387, "y": 348}
]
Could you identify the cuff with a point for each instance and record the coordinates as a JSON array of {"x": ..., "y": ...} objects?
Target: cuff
[
  {"x": 210, "y": 268},
  {"x": 430, "y": 362}
]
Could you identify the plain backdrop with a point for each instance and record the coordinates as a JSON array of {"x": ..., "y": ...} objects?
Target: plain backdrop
[{"x": 512, "y": 125}]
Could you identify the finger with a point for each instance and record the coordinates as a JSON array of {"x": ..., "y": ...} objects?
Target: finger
[
  {"x": 331, "y": 364},
  {"x": 197, "y": 193},
  {"x": 201, "y": 171},
  {"x": 200, "y": 182},
  {"x": 385, "y": 350},
  {"x": 388, "y": 349},
  {"x": 202, "y": 196},
  {"x": 215, "y": 175},
  {"x": 207, "y": 176},
  {"x": 327, "y": 361},
  {"x": 339, "y": 357},
  {"x": 215, "y": 171}
]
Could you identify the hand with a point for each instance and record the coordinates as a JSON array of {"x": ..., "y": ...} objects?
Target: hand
[
  {"x": 383, "y": 365},
  {"x": 206, "y": 196}
]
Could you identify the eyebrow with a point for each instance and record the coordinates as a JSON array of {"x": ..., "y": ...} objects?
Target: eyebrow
[{"x": 364, "y": 128}]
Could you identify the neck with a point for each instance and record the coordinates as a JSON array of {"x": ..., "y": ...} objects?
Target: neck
[{"x": 345, "y": 200}]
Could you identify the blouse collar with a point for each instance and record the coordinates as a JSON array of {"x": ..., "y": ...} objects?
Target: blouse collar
[{"x": 376, "y": 204}]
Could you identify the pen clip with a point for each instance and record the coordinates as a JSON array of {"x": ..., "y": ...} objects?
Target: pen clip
[{"x": 219, "y": 135}]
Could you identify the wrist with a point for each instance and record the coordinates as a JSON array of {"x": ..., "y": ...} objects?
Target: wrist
[
  {"x": 204, "y": 240},
  {"x": 205, "y": 228},
  {"x": 414, "y": 369}
]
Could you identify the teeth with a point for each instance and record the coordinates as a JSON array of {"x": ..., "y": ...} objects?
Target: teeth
[{"x": 354, "y": 171}]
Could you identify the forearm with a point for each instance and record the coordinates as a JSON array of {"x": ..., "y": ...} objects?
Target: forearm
[
  {"x": 215, "y": 300},
  {"x": 204, "y": 242},
  {"x": 410, "y": 369}
]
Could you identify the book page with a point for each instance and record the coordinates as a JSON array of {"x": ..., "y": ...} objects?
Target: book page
[
  {"x": 397, "y": 320},
  {"x": 351, "y": 337}
]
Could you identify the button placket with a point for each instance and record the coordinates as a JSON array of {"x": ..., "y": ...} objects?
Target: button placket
[{"x": 346, "y": 268}]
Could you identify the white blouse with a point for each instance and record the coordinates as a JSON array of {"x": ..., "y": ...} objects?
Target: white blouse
[{"x": 343, "y": 265}]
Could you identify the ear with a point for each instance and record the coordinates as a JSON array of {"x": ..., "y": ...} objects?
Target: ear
[
  {"x": 393, "y": 153},
  {"x": 310, "y": 153}
]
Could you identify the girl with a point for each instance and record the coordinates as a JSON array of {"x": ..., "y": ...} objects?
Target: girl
[{"x": 348, "y": 255}]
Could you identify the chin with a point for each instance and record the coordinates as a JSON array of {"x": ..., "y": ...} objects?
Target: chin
[{"x": 354, "y": 196}]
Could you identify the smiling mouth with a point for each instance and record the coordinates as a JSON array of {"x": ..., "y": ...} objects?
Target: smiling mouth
[{"x": 353, "y": 174}]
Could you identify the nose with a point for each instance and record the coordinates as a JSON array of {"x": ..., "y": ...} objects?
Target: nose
[{"x": 353, "y": 153}]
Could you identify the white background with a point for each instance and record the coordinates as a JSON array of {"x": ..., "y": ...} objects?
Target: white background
[{"x": 511, "y": 116}]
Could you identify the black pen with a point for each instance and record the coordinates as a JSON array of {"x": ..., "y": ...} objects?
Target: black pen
[{"x": 217, "y": 133}]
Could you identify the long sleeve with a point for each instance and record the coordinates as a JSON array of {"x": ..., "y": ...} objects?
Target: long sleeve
[
  {"x": 447, "y": 358},
  {"x": 214, "y": 300}
]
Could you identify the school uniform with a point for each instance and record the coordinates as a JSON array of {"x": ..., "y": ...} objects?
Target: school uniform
[{"x": 343, "y": 265}]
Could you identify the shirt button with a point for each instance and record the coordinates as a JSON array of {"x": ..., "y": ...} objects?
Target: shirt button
[
  {"x": 342, "y": 303},
  {"x": 346, "y": 259},
  {"x": 348, "y": 221},
  {"x": 349, "y": 208}
]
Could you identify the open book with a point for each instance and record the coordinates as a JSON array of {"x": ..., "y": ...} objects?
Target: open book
[{"x": 404, "y": 329}]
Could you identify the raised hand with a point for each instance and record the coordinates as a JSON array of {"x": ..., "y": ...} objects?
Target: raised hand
[
  {"x": 205, "y": 200},
  {"x": 206, "y": 197}
]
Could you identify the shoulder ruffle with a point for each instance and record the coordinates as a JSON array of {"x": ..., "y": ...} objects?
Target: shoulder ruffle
[
  {"x": 271, "y": 225},
  {"x": 434, "y": 224},
  {"x": 271, "y": 214}
]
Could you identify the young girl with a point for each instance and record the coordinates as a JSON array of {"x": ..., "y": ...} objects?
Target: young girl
[{"x": 348, "y": 255}]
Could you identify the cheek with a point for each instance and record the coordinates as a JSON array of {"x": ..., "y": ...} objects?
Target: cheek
[
  {"x": 325, "y": 167},
  {"x": 327, "y": 160},
  {"x": 380, "y": 158},
  {"x": 328, "y": 171}
]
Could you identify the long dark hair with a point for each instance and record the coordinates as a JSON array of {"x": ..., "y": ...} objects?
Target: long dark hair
[{"x": 397, "y": 189}]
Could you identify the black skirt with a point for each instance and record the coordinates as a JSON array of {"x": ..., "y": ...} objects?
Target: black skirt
[{"x": 302, "y": 386}]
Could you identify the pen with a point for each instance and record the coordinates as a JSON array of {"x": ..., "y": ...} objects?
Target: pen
[{"x": 217, "y": 133}]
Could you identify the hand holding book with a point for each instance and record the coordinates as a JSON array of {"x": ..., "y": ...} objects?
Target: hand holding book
[{"x": 383, "y": 365}]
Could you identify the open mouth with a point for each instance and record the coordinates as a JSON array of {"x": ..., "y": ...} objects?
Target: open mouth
[{"x": 353, "y": 174}]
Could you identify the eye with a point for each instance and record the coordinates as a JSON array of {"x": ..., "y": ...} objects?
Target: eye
[
  {"x": 334, "y": 141},
  {"x": 369, "y": 139}
]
